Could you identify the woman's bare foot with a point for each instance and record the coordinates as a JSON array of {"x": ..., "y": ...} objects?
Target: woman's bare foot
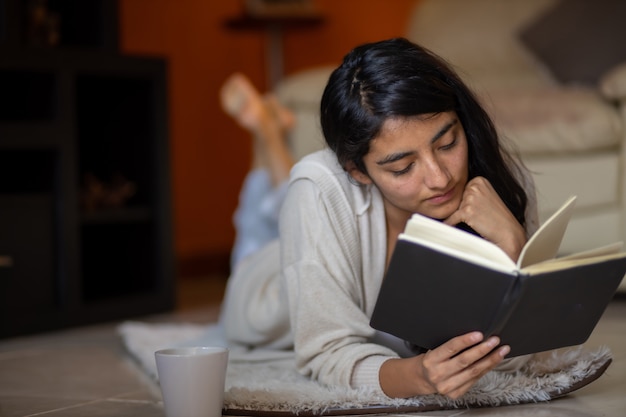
[
  {"x": 285, "y": 117},
  {"x": 266, "y": 119},
  {"x": 243, "y": 103}
]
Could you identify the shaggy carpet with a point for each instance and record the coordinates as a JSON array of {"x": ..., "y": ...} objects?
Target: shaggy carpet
[{"x": 263, "y": 383}]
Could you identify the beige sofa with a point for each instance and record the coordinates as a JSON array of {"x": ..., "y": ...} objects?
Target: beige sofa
[{"x": 571, "y": 136}]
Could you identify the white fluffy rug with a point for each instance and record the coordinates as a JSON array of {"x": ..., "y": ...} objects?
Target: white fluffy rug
[{"x": 266, "y": 382}]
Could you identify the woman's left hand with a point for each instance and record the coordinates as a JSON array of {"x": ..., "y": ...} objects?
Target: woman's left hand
[{"x": 483, "y": 210}]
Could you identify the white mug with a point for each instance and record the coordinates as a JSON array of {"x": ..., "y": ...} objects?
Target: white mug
[{"x": 192, "y": 380}]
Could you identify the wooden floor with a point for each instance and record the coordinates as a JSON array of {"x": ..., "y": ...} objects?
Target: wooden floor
[{"x": 86, "y": 372}]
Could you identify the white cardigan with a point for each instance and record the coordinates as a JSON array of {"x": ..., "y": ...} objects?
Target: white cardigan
[{"x": 316, "y": 289}]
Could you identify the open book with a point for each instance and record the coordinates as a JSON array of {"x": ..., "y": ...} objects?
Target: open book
[{"x": 443, "y": 282}]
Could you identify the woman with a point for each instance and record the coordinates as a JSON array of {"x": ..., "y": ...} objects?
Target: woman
[{"x": 405, "y": 136}]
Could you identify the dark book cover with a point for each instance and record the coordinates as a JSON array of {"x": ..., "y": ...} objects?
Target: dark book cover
[{"x": 429, "y": 297}]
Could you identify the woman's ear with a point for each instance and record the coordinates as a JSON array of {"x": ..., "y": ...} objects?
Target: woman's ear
[{"x": 357, "y": 175}]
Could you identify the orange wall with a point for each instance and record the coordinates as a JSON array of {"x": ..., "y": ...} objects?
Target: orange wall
[{"x": 209, "y": 153}]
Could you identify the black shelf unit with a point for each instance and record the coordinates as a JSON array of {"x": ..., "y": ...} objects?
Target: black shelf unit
[{"x": 85, "y": 216}]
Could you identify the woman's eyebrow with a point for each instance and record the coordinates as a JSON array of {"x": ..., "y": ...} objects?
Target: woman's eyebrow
[
  {"x": 444, "y": 130},
  {"x": 394, "y": 157},
  {"x": 400, "y": 155}
]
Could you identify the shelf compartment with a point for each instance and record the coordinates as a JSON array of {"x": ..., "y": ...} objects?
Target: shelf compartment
[
  {"x": 117, "y": 260},
  {"x": 118, "y": 215},
  {"x": 29, "y": 281},
  {"x": 28, "y": 171},
  {"x": 28, "y": 284},
  {"x": 116, "y": 123},
  {"x": 3, "y": 23},
  {"x": 27, "y": 95}
]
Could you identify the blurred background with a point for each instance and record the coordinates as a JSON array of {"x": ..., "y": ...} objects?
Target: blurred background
[
  {"x": 120, "y": 172},
  {"x": 209, "y": 152}
]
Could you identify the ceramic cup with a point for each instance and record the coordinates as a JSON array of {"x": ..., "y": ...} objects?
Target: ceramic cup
[{"x": 192, "y": 380}]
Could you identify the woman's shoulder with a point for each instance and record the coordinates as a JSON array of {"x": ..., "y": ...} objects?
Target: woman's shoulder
[
  {"x": 323, "y": 161},
  {"x": 322, "y": 168},
  {"x": 331, "y": 181}
]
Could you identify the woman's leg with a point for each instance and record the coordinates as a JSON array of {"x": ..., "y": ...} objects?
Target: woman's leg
[
  {"x": 266, "y": 120},
  {"x": 256, "y": 217}
]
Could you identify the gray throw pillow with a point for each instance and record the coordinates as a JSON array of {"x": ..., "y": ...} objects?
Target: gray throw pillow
[{"x": 579, "y": 40}]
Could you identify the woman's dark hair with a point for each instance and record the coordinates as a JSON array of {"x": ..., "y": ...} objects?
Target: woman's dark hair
[{"x": 394, "y": 78}]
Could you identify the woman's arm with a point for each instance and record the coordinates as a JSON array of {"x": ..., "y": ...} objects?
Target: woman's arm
[
  {"x": 450, "y": 369},
  {"x": 444, "y": 370},
  {"x": 331, "y": 331},
  {"x": 329, "y": 278},
  {"x": 328, "y": 309},
  {"x": 484, "y": 211},
  {"x": 254, "y": 311}
]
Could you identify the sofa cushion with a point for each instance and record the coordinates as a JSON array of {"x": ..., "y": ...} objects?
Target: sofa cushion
[
  {"x": 536, "y": 120},
  {"x": 613, "y": 83},
  {"x": 579, "y": 40},
  {"x": 480, "y": 38},
  {"x": 304, "y": 88},
  {"x": 555, "y": 120},
  {"x": 302, "y": 92}
]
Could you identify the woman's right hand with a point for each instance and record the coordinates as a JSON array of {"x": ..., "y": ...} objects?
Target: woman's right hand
[{"x": 450, "y": 370}]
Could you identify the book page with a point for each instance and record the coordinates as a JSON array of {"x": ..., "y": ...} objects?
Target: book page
[
  {"x": 542, "y": 246},
  {"x": 569, "y": 262},
  {"x": 447, "y": 239},
  {"x": 602, "y": 250},
  {"x": 545, "y": 243}
]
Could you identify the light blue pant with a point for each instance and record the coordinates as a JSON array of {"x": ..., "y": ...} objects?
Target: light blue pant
[{"x": 256, "y": 217}]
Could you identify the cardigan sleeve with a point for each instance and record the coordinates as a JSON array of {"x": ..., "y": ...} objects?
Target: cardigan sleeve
[
  {"x": 254, "y": 311},
  {"x": 321, "y": 258}
]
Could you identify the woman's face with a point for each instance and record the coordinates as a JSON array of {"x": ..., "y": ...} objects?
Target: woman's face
[{"x": 419, "y": 164}]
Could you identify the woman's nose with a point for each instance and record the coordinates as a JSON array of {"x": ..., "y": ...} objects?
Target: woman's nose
[{"x": 436, "y": 175}]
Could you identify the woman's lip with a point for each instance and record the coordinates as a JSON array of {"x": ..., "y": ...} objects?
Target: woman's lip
[{"x": 442, "y": 198}]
